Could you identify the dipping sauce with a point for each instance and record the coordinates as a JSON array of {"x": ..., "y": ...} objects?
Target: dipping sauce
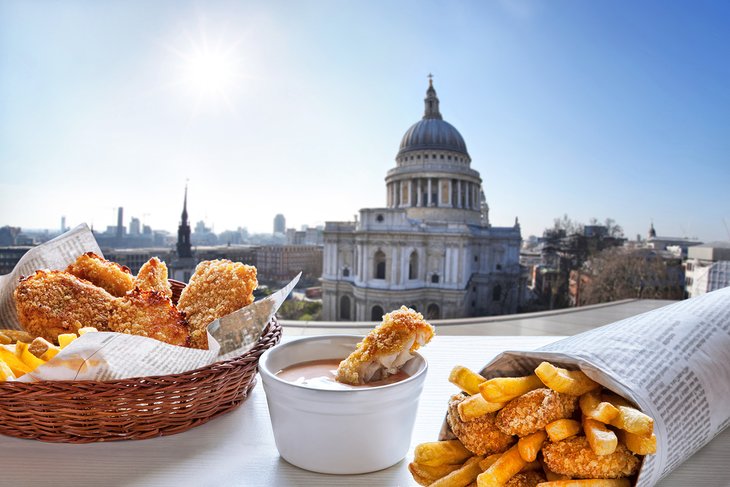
[{"x": 320, "y": 374}]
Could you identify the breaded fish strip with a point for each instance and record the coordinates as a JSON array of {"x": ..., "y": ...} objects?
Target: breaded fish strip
[
  {"x": 50, "y": 303},
  {"x": 386, "y": 348},
  {"x": 480, "y": 435},
  {"x": 149, "y": 314},
  {"x": 526, "y": 479},
  {"x": 152, "y": 276},
  {"x": 574, "y": 457},
  {"x": 217, "y": 288},
  {"x": 532, "y": 411},
  {"x": 114, "y": 278}
]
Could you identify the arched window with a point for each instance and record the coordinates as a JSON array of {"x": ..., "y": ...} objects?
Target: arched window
[
  {"x": 413, "y": 266},
  {"x": 345, "y": 308},
  {"x": 346, "y": 272},
  {"x": 497, "y": 293},
  {"x": 379, "y": 261},
  {"x": 376, "y": 314},
  {"x": 435, "y": 278},
  {"x": 433, "y": 312}
]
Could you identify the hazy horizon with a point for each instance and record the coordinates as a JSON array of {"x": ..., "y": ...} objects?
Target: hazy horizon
[{"x": 587, "y": 109}]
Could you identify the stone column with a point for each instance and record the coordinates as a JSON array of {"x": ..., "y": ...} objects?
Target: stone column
[
  {"x": 468, "y": 196},
  {"x": 428, "y": 195},
  {"x": 458, "y": 193},
  {"x": 419, "y": 193}
]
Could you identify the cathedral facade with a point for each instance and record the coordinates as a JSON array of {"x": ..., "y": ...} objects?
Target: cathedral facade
[{"x": 432, "y": 247}]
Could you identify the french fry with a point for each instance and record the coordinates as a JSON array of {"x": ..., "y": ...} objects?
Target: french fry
[
  {"x": 426, "y": 475},
  {"x": 641, "y": 445},
  {"x": 463, "y": 476},
  {"x": 562, "y": 429},
  {"x": 629, "y": 418},
  {"x": 50, "y": 353},
  {"x": 4, "y": 339},
  {"x": 86, "y": 329},
  {"x": 489, "y": 461},
  {"x": 466, "y": 379},
  {"x": 31, "y": 360},
  {"x": 506, "y": 467},
  {"x": 475, "y": 406},
  {"x": 503, "y": 389},
  {"x": 602, "y": 440},
  {"x": 587, "y": 483},
  {"x": 16, "y": 365},
  {"x": 39, "y": 346},
  {"x": 5, "y": 371},
  {"x": 435, "y": 453},
  {"x": 65, "y": 338},
  {"x": 594, "y": 408},
  {"x": 529, "y": 446},
  {"x": 573, "y": 382}
]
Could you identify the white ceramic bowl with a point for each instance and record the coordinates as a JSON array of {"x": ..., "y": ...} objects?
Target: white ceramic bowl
[{"x": 348, "y": 431}]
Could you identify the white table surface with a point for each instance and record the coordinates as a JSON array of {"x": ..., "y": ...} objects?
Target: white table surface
[{"x": 238, "y": 449}]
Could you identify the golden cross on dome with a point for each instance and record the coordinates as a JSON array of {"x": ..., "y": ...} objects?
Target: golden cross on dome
[{"x": 430, "y": 79}]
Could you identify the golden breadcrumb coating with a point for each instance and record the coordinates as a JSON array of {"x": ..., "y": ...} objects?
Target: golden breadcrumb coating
[
  {"x": 50, "y": 303},
  {"x": 480, "y": 435},
  {"x": 526, "y": 479},
  {"x": 574, "y": 457},
  {"x": 532, "y": 411},
  {"x": 150, "y": 314},
  {"x": 217, "y": 288},
  {"x": 152, "y": 276},
  {"x": 401, "y": 333},
  {"x": 116, "y": 279}
]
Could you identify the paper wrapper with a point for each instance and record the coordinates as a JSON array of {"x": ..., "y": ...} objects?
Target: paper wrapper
[
  {"x": 112, "y": 356},
  {"x": 673, "y": 362}
]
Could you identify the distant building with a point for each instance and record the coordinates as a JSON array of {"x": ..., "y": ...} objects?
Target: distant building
[
  {"x": 432, "y": 247},
  {"x": 282, "y": 262},
  {"x": 707, "y": 268},
  {"x": 279, "y": 223},
  {"x": 9, "y": 235},
  {"x": 134, "y": 227},
  {"x": 9, "y": 256},
  {"x": 664, "y": 243}
]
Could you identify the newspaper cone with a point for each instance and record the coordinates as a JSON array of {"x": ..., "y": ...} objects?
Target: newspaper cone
[{"x": 674, "y": 362}]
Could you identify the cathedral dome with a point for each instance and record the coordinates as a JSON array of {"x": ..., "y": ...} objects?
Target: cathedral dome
[{"x": 432, "y": 132}]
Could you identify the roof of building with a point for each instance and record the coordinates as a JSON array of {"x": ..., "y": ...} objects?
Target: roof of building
[{"x": 432, "y": 132}]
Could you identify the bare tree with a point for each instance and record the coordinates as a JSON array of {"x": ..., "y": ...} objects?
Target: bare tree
[{"x": 619, "y": 274}]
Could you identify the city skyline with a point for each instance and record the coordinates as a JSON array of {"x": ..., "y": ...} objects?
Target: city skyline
[{"x": 590, "y": 110}]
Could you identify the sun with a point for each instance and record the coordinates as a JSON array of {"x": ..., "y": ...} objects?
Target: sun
[{"x": 209, "y": 71}]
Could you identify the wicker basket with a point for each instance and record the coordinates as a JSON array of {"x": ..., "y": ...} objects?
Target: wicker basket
[{"x": 130, "y": 409}]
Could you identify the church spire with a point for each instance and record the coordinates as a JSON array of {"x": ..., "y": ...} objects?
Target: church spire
[
  {"x": 431, "y": 101},
  {"x": 184, "y": 248},
  {"x": 185, "y": 207}
]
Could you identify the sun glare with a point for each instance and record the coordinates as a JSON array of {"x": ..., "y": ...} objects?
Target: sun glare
[{"x": 209, "y": 71}]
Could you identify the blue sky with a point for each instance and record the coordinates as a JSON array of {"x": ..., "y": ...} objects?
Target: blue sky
[{"x": 599, "y": 109}]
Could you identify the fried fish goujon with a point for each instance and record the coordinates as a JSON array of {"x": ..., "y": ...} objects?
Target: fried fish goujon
[
  {"x": 116, "y": 279},
  {"x": 217, "y": 288},
  {"x": 152, "y": 276},
  {"x": 575, "y": 458},
  {"x": 386, "y": 348},
  {"x": 50, "y": 303},
  {"x": 480, "y": 436},
  {"x": 150, "y": 314}
]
